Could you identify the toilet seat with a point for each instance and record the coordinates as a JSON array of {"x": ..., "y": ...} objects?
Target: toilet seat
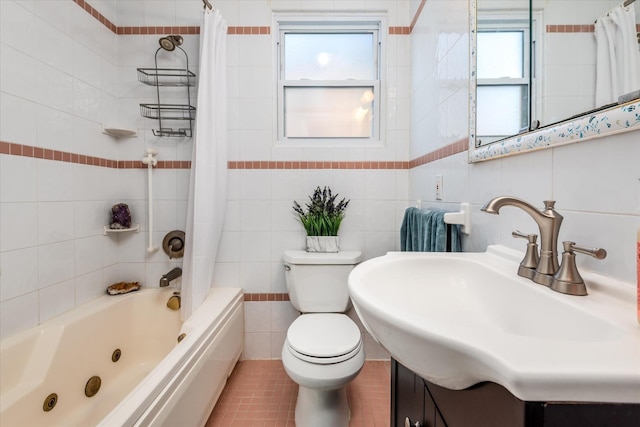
[{"x": 324, "y": 338}]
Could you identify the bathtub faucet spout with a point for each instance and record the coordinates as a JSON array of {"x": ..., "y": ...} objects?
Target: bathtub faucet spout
[{"x": 172, "y": 275}]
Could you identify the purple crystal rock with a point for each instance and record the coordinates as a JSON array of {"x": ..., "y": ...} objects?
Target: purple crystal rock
[{"x": 120, "y": 216}]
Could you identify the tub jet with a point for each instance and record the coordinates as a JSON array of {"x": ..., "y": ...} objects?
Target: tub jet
[{"x": 93, "y": 386}]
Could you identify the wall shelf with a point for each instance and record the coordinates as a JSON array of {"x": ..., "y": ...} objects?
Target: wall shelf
[
  {"x": 175, "y": 113},
  {"x": 166, "y": 77},
  {"x": 107, "y": 230},
  {"x": 119, "y": 132}
]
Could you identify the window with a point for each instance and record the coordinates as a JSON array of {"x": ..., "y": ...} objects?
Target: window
[
  {"x": 503, "y": 84},
  {"x": 328, "y": 81}
]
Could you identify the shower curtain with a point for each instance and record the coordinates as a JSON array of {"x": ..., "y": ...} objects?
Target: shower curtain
[
  {"x": 208, "y": 180},
  {"x": 617, "y": 55}
]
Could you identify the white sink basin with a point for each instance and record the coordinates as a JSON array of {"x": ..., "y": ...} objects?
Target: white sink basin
[{"x": 460, "y": 319}]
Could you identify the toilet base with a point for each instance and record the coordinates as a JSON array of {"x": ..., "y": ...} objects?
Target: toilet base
[{"x": 322, "y": 408}]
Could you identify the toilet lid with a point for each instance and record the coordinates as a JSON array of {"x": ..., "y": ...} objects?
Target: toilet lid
[{"x": 323, "y": 335}]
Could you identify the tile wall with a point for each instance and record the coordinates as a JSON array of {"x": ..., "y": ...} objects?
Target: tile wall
[
  {"x": 596, "y": 183},
  {"x": 65, "y": 74},
  {"x": 109, "y": 37}
]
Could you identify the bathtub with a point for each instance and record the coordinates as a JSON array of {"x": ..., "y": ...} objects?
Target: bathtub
[{"x": 146, "y": 377}]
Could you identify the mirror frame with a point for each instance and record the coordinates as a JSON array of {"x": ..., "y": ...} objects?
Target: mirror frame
[{"x": 618, "y": 119}]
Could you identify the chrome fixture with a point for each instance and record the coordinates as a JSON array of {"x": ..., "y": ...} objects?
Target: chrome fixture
[
  {"x": 544, "y": 268},
  {"x": 174, "y": 301},
  {"x": 531, "y": 259},
  {"x": 170, "y": 42},
  {"x": 93, "y": 386},
  {"x": 568, "y": 280},
  {"x": 549, "y": 221},
  {"x": 173, "y": 244},
  {"x": 170, "y": 276}
]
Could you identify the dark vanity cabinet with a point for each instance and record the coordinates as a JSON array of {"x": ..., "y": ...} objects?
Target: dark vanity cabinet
[{"x": 416, "y": 400}]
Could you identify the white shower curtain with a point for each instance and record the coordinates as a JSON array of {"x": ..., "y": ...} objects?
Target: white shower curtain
[
  {"x": 617, "y": 55},
  {"x": 208, "y": 182}
]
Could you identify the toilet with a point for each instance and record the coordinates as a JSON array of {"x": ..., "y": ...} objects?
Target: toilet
[{"x": 323, "y": 350}]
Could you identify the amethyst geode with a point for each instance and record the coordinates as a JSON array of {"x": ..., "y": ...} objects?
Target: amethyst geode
[{"x": 120, "y": 216}]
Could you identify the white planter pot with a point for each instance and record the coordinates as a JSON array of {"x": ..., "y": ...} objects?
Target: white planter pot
[{"x": 323, "y": 244}]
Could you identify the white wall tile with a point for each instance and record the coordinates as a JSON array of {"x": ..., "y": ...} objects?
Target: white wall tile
[
  {"x": 86, "y": 65},
  {"x": 55, "y": 222},
  {"x": 606, "y": 179},
  {"x": 255, "y": 215},
  {"x": 277, "y": 343},
  {"x": 18, "y": 314},
  {"x": 55, "y": 181},
  {"x": 17, "y": 180},
  {"x": 255, "y": 277},
  {"x": 88, "y": 255},
  {"x": 256, "y": 346},
  {"x": 18, "y": 225},
  {"x": 59, "y": 59},
  {"x": 89, "y": 286},
  {"x": 255, "y": 246},
  {"x": 56, "y": 299},
  {"x": 87, "y": 101},
  {"x": 282, "y": 316},
  {"x": 17, "y": 27},
  {"x": 257, "y": 316},
  {"x": 54, "y": 128},
  {"x": 20, "y": 113},
  {"x": 55, "y": 263},
  {"x": 19, "y": 277},
  {"x": 226, "y": 275},
  {"x": 18, "y": 74}
]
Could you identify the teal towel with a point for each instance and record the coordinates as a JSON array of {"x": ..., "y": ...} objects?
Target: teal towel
[{"x": 425, "y": 231}]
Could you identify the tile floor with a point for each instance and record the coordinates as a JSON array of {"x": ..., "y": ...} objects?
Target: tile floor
[{"x": 259, "y": 394}]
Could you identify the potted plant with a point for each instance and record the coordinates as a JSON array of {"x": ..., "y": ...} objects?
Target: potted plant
[{"x": 321, "y": 218}]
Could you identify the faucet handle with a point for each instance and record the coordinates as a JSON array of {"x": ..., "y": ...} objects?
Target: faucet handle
[
  {"x": 531, "y": 258},
  {"x": 597, "y": 253},
  {"x": 568, "y": 280},
  {"x": 532, "y": 238}
]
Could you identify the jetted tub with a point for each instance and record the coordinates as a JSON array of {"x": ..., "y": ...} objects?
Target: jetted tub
[{"x": 155, "y": 380}]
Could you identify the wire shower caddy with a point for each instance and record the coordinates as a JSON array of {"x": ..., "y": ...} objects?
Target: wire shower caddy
[{"x": 169, "y": 77}]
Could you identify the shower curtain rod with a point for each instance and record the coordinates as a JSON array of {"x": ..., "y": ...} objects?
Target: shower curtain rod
[
  {"x": 207, "y": 4},
  {"x": 625, "y": 4}
]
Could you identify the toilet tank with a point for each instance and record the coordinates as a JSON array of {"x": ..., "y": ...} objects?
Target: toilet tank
[{"x": 317, "y": 282}]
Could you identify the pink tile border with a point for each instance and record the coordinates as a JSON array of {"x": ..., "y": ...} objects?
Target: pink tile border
[
  {"x": 82, "y": 159},
  {"x": 40, "y": 153},
  {"x": 582, "y": 28},
  {"x": 62, "y": 156},
  {"x": 234, "y": 30},
  {"x": 93, "y": 12},
  {"x": 567, "y": 28},
  {"x": 295, "y": 164},
  {"x": 266, "y": 297}
]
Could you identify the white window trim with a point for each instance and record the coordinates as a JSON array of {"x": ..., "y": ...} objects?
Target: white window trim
[
  {"x": 506, "y": 18},
  {"x": 336, "y": 20}
]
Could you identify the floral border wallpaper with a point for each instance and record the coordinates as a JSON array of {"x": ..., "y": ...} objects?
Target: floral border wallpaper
[{"x": 622, "y": 118}]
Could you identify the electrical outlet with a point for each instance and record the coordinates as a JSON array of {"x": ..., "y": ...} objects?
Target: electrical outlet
[{"x": 438, "y": 188}]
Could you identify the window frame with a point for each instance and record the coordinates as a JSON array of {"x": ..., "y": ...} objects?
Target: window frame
[
  {"x": 284, "y": 23},
  {"x": 514, "y": 21}
]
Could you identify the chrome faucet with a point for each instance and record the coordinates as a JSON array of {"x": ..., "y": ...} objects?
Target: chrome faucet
[
  {"x": 549, "y": 221},
  {"x": 172, "y": 275}
]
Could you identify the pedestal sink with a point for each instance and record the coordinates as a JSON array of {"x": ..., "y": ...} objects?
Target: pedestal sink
[{"x": 461, "y": 319}]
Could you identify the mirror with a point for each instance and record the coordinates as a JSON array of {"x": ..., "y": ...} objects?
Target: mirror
[{"x": 539, "y": 57}]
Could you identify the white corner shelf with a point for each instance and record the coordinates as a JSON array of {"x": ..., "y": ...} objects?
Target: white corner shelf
[
  {"x": 120, "y": 132},
  {"x": 108, "y": 230}
]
